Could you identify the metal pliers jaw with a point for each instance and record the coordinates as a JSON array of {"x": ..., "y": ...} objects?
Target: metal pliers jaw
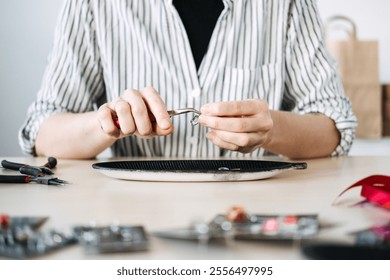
[
  {"x": 194, "y": 120},
  {"x": 36, "y": 175},
  {"x": 48, "y": 180}
]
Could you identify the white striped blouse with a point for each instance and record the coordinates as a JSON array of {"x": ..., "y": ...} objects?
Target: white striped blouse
[{"x": 265, "y": 49}]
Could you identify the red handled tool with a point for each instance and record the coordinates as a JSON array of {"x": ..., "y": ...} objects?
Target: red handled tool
[{"x": 7, "y": 221}]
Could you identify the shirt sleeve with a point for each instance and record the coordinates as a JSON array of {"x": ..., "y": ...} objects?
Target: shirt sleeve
[
  {"x": 312, "y": 82},
  {"x": 72, "y": 81}
]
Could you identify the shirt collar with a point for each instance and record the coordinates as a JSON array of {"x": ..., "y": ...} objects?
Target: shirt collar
[
  {"x": 228, "y": 2},
  {"x": 225, "y": 2}
]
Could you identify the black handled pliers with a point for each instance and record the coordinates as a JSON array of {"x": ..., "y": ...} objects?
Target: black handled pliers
[
  {"x": 45, "y": 180},
  {"x": 38, "y": 174},
  {"x": 30, "y": 169}
]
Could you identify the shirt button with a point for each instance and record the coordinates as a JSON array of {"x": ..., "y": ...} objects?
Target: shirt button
[{"x": 195, "y": 92}]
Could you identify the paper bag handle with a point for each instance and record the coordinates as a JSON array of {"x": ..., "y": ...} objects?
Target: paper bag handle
[{"x": 352, "y": 33}]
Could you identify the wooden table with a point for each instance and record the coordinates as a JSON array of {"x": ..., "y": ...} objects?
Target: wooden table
[{"x": 93, "y": 197}]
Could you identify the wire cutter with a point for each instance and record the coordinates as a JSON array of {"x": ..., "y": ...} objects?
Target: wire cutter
[
  {"x": 45, "y": 180},
  {"x": 37, "y": 174},
  {"x": 45, "y": 169}
]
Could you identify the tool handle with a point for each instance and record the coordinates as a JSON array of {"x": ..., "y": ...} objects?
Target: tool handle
[
  {"x": 31, "y": 170},
  {"x": 51, "y": 162},
  {"x": 14, "y": 179},
  {"x": 11, "y": 165},
  {"x": 116, "y": 121},
  {"x": 4, "y": 221}
]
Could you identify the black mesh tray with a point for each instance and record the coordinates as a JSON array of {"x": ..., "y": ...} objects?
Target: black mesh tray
[{"x": 195, "y": 170}]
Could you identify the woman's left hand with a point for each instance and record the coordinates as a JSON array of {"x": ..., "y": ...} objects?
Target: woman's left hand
[{"x": 240, "y": 126}]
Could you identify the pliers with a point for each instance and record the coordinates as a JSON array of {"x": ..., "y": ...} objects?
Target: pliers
[
  {"x": 45, "y": 180},
  {"x": 38, "y": 174},
  {"x": 171, "y": 113},
  {"x": 45, "y": 169}
]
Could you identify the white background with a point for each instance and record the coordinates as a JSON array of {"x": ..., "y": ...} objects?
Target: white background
[{"x": 287, "y": 269}]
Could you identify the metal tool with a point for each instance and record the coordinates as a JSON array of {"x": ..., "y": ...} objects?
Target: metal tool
[
  {"x": 217, "y": 230},
  {"x": 23, "y": 242},
  {"x": 45, "y": 180},
  {"x": 37, "y": 174},
  {"x": 45, "y": 169},
  {"x": 176, "y": 112},
  {"x": 113, "y": 238},
  {"x": 171, "y": 113},
  {"x": 7, "y": 221},
  {"x": 237, "y": 224},
  {"x": 20, "y": 237}
]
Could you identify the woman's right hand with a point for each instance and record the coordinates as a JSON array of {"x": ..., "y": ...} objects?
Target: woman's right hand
[{"x": 142, "y": 113}]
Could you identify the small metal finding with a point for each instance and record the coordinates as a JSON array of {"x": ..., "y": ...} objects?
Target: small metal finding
[{"x": 194, "y": 120}]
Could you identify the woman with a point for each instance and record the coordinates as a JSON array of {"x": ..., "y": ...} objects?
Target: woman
[{"x": 257, "y": 70}]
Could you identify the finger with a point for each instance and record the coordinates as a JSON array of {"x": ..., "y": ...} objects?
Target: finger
[
  {"x": 254, "y": 123},
  {"x": 106, "y": 121},
  {"x": 235, "y": 108},
  {"x": 234, "y": 142},
  {"x": 157, "y": 107},
  {"x": 125, "y": 118},
  {"x": 240, "y": 139},
  {"x": 220, "y": 143},
  {"x": 139, "y": 111}
]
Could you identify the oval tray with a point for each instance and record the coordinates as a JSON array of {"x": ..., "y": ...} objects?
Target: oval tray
[{"x": 195, "y": 170}]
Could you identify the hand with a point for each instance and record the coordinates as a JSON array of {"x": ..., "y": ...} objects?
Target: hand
[
  {"x": 239, "y": 125},
  {"x": 133, "y": 110}
]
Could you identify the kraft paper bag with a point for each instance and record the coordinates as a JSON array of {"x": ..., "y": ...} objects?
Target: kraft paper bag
[
  {"x": 386, "y": 110},
  {"x": 359, "y": 71}
]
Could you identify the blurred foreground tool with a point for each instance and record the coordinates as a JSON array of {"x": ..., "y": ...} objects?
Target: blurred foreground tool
[
  {"x": 20, "y": 237},
  {"x": 7, "y": 221}
]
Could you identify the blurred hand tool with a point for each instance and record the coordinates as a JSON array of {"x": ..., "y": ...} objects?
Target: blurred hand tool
[{"x": 7, "y": 221}]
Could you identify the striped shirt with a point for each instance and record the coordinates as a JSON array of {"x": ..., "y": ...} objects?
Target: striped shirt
[{"x": 265, "y": 49}]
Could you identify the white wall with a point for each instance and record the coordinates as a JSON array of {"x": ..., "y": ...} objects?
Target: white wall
[
  {"x": 26, "y": 32},
  {"x": 26, "y": 35}
]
